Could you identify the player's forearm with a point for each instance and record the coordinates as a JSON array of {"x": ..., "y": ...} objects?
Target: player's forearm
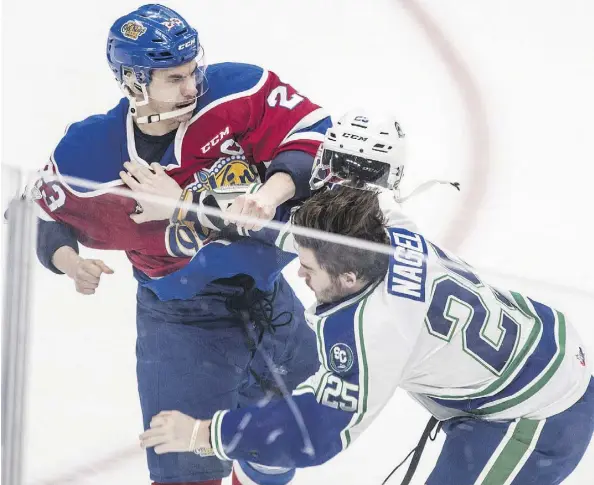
[
  {"x": 314, "y": 442},
  {"x": 278, "y": 188},
  {"x": 298, "y": 165},
  {"x": 51, "y": 237},
  {"x": 65, "y": 259}
]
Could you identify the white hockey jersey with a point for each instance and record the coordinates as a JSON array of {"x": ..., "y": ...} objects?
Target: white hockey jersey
[{"x": 434, "y": 328}]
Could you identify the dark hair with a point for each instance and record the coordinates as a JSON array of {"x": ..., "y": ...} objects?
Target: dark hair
[{"x": 348, "y": 212}]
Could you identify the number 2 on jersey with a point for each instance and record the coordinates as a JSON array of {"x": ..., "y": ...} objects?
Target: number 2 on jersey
[
  {"x": 489, "y": 334},
  {"x": 280, "y": 96}
]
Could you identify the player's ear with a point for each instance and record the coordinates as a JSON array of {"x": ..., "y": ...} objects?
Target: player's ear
[{"x": 349, "y": 280}]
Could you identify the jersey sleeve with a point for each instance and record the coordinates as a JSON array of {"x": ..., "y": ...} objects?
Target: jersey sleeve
[
  {"x": 93, "y": 223},
  {"x": 359, "y": 372},
  {"x": 298, "y": 165},
  {"x": 51, "y": 236},
  {"x": 306, "y": 429},
  {"x": 277, "y": 119}
]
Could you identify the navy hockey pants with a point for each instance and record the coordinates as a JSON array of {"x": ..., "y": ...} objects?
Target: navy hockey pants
[
  {"x": 209, "y": 353},
  {"x": 519, "y": 452}
]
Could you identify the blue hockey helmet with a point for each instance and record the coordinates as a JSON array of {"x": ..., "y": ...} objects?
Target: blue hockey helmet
[{"x": 151, "y": 37}]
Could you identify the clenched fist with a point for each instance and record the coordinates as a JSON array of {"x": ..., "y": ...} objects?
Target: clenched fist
[
  {"x": 251, "y": 205},
  {"x": 87, "y": 274}
]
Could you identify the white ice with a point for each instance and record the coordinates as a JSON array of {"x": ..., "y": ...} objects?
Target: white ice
[{"x": 512, "y": 102}]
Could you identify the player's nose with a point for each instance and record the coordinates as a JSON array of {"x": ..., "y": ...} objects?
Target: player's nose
[{"x": 189, "y": 88}]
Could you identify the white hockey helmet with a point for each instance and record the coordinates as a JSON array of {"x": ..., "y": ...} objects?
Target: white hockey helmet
[{"x": 362, "y": 151}]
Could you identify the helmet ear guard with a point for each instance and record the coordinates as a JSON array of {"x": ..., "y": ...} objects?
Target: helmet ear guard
[
  {"x": 130, "y": 79},
  {"x": 131, "y": 88}
]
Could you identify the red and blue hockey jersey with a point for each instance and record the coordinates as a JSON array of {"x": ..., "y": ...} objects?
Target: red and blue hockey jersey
[{"x": 247, "y": 117}]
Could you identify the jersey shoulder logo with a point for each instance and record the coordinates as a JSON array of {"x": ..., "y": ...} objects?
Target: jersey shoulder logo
[{"x": 341, "y": 358}]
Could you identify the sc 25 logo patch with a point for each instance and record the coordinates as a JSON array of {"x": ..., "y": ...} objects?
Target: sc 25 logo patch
[{"x": 341, "y": 358}]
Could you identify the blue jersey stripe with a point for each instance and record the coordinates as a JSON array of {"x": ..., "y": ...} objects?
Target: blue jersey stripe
[
  {"x": 319, "y": 127},
  {"x": 338, "y": 334},
  {"x": 544, "y": 352},
  {"x": 228, "y": 78}
]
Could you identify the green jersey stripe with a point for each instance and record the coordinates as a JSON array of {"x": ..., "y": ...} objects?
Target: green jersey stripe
[
  {"x": 515, "y": 451},
  {"x": 541, "y": 380}
]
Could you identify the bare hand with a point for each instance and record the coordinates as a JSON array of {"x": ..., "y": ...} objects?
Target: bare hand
[
  {"x": 86, "y": 274},
  {"x": 172, "y": 431},
  {"x": 152, "y": 181},
  {"x": 251, "y": 205}
]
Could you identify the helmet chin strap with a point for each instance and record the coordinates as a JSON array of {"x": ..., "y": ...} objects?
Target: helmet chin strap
[
  {"x": 154, "y": 118},
  {"x": 163, "y": 116}
]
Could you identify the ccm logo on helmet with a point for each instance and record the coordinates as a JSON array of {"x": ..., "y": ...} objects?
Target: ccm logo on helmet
[
  {"x": 354, "y": 137},
  {"x": 190, "y": 43}
]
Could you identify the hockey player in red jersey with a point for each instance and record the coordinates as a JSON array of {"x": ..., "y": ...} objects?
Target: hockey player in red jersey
[{"x": 206, "y": 127}]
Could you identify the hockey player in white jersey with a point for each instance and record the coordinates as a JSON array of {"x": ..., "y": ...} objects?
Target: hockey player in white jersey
[{"x": 508, "y": 377}]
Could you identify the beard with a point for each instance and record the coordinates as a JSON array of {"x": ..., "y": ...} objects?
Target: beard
[{"x": 333, "y": 292}]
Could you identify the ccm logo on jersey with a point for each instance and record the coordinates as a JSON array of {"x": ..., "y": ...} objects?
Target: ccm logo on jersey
[
  {"x": 408, "y": 264},
  {"x": 190, "y": 43},
  {"x": 216, "y": 140}
]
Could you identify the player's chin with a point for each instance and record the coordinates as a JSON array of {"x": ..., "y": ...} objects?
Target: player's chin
[
  {"x": 183, "y": 118},
  {"x": 322, "y": 297}
]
